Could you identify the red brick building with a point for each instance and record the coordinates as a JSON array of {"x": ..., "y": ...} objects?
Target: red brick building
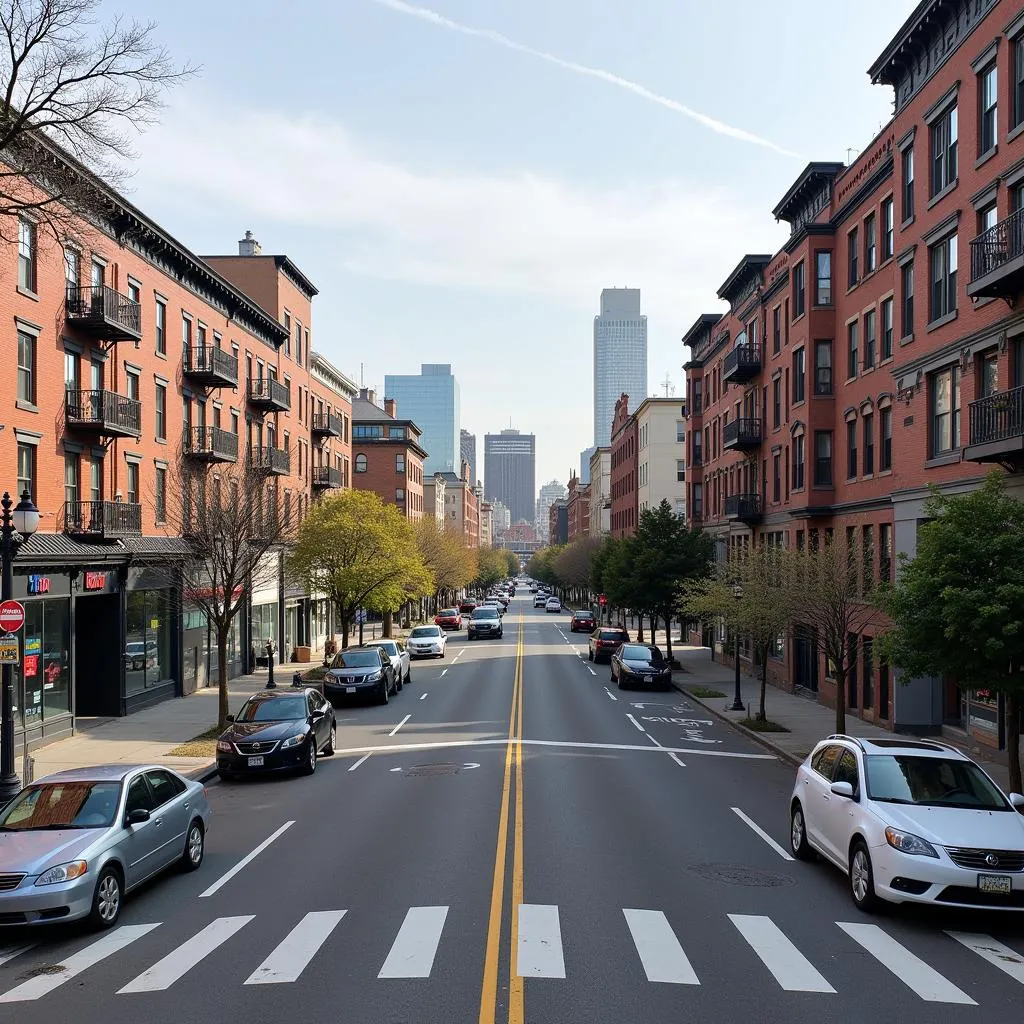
[
  {"x": 578, "y": 509},
  {"x": 625, "y": 512},
  {"x": 880, "y": 351},
  {"x": 386, "y": 454}
]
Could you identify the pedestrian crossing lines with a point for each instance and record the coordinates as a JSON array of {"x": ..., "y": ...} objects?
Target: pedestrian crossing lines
[{"x": 651, "y": 939}]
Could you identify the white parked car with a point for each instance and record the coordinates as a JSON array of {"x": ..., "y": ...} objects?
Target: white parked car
[
  {"x": 427, "y": 642},
  {"x": 913, "y": 821},
  {"x": 553, "y": 604},
  {"x": 400, "y": 660}
]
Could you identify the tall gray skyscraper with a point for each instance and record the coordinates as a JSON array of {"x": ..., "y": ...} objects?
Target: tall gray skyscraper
[
  {"x": 510, "y": 472},
  {"x": 431, "y": 400},
  {"x": 467, "y": 442},
  {"x": 620, "y": 357}
]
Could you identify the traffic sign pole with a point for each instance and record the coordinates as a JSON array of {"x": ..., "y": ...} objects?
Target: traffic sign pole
[{"x": 10, "y": 784}]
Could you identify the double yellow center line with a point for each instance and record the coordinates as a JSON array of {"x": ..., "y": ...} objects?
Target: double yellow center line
[{"x": 510, "y": 796}]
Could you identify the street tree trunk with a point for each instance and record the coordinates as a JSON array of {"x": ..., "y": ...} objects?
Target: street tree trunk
[
  {"x": 640, "y": 628},
  {"x": 1013, "y": 740},
  {"x": 222, "y": 676},
  {"x": 668, "y": 638},
  {"x": 762, "y": 714},
  {"x": 388, "y": 625},
  {"x": 841, "y": 695}
]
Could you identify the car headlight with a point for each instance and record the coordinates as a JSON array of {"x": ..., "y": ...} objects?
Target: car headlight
[
  {"x": 225, "y": 746},
  {"x": 63, "y": 873},
  {"x": 907, "y": 842},
  {"x": 293, "y": 741},
  {"x": 373, "y": 677}
]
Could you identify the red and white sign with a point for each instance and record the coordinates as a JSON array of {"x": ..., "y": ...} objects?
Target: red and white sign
[
  {"x": 602, "y": 599},
  {"x": 12, "y": 616}
]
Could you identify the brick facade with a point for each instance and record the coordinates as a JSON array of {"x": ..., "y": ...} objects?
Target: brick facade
[{"x": 625, "y": 513}]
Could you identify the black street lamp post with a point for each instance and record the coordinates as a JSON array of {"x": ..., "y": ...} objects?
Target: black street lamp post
[
  {"x": 16, "y": 526},
  {"x": 737, "y": 703}
]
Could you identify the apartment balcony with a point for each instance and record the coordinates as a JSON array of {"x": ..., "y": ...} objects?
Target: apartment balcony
[
  {"x": 997, "y": 429},
  {"x": 210, "y": 444},
  {"x": 741, "y": 435},
  {"x": 210, "y": 367},
  {"x": 325, "y": 477},
  {"x": 272, "y": 461},
  {"x": 269, "y": 395},
  {"x": 104, "y": 314},
  {"x": 326, "y": 424},
  {"x": 743, "y": 363},
  {"x": 102, "y": 520},
  {"x": 997, "y": 260},
  {"x": 104, "y": 413},
  {"x": 744, "y": 507}
]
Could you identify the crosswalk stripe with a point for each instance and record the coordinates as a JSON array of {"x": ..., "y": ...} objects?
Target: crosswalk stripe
[
  {"x": 539, "y": 952},
  {"x": 99, "y": 950},
  {"x": 11, "y": 952},
  {"x": 412, "y": 953},
  {"x": 299, "y": 947},
  {"x": 790, "y": 968},
  {"x": 660, "y": 954},
  {"x": 163, "y": 974},
  {"x": 1007, "y": 960},
  {"x": 911, "y": 970}
]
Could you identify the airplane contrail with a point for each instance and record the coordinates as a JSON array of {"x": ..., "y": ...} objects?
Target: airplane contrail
[{"x": 719, "y": 127}]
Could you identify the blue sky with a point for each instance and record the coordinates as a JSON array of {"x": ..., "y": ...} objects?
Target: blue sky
[{"x": 459, "y": 198}]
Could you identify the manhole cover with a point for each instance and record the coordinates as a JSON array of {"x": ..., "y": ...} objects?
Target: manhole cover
[
  {"x": 432, "y": 769},
  {"x": 737, "y": 874},
  {"x": 45, "y": 969}
]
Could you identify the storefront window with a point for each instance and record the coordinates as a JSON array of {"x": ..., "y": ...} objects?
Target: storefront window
[
  {"x": 44, "y": 689},
  {"x": 147, "y": 654},
  {"x": 264, "y": 626}
]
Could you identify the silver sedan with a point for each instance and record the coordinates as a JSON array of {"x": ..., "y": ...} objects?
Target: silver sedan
[{"x": 75, "y": 842}]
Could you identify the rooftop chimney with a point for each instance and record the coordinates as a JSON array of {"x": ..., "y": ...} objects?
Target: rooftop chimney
[
  {"x": 368, "y": 395},
  {"x": 248, "y": 246},
  {"x": 391, "y": 407}
]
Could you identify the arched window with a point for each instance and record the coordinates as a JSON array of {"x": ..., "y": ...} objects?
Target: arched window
[{"x": 360, "y": 463}]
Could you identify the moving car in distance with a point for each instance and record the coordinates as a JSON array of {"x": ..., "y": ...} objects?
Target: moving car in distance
[
  {"x": 604, "y": 641},
  {"x": 553, "y": 604},
  {"x": 467, "y": 606},
  {"x": 909, "y": 821},
  {"x": 540, "y": 601},
  {"x": 485, "y": 621},
  {"x": 639, "y": 665},
  {"x": 277, "y": 730},
  {"x": 400, "y": 660},
  {"x": 360, "y": 670},
  {"x": 427, "y": 642},
  {"x": 582, "y": 622},
  {"x": 72, "y": 840},
  {"x": 448, "y": 618}
]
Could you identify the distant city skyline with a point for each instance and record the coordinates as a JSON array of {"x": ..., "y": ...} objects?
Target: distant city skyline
[{"x": 431, "y": 399}]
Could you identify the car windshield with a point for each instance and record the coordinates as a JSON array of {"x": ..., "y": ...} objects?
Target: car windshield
[
  {"x": 425, "y": 631},
  {"x": 356, "y": 659},
  {"x": 931, "y": 782},
  {"x": 56, "y": 805},
  {"x": 485, "y": 613},
  {"x": 388, "y": 645},
  {"x": 272, "y": 709},
  {"x": 635, "y": 652},
  {"x": 584, "y": 615},
  {"x": 447, "y": 612}
]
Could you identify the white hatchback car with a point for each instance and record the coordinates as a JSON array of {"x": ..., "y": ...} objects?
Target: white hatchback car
[
  {"x": 553, "y": 604},
  {"x": 913, "y": 821},
  {"x": 426, "y": 642}
]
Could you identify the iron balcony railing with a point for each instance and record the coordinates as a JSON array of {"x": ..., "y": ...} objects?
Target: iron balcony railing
[
  {"x": 265, "y": 459},
  {"x": 742, "y": 362},
  {"x": 327, "y": 424},
  {"x": 743, "y": 506},
  {"x": 742, "y": 432},
  {"x": 104, "y": 519},
  {"x": 326, "y": 476},
  {"x": 107, "y": 412},
  {"x": 998, "y": 417},
  {"x": 209, "y": 364},
  {"x": 270, "y": 393},
  {"x": 104, "y": 313},
  {"x": 213, "y": 443},
  {"x": 997, "y": 246}
]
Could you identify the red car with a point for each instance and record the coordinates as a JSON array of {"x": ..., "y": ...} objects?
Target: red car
[
  {"x": 605, "y": 642},
  {"x": 448, "y": 618},
  {"x": 582, "y": 621},
  {"x": 467, "y": 607}
]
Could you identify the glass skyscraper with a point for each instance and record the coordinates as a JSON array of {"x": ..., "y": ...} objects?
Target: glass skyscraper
[
  {"x": 510, "y": 472},
  {"x": 431, "y": 400},
  {"x": 620, "y": 357}
]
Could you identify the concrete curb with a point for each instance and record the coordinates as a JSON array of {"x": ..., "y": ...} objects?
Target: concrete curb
[
  {"x": 758, "y": 737},
  {"x": 204, "y": 773}
]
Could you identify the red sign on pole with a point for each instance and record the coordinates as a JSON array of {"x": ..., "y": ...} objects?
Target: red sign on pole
[
  {"x": 602, "y": 599},
  {"x": 12, "y": 616}
]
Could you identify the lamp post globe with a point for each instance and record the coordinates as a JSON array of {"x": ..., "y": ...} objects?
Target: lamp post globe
[{"x": 25, "y": 516}]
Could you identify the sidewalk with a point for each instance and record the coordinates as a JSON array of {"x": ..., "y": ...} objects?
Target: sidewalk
[{"x": 806, "y": 719}]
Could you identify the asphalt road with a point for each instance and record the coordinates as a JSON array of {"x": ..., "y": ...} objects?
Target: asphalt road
[{"x": 529, "y": 844}]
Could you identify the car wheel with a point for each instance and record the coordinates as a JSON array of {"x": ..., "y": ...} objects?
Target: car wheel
[
  {"x": 862, "y": 878},
  {"x": 798, "y": 834},
  {"x": 332, "y": 741},
  {"x": 385, "y": 691},
  {"x": 408, "y": 678},
  {"x": 309, "y": 765},
  {"x": 399, "y": 683},
  {"x": 195, "y": 846},
  {"x": 106, "y": 900},
  {"x": 501, "y": 633},
  {"x": 590, "y": 654}
]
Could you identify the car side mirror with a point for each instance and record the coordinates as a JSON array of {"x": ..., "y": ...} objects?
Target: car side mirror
[
  {"x": 1017, "y": 800},
  {"x": 137, "y": 816},
  {"x": 843, "y": 789},
  {"x": 229, "y": 718}
]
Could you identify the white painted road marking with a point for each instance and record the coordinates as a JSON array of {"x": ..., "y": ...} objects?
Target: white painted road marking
[
  {"x": 912, "y": 971},
  {"x": 247, "y": 859},
  {"x": 443, "y": 671},
  {"x": 1007, "y": 960},
  {"x": 606, "y": 690},
  {"x": 164, "y": 973},
  {"x": 110, "y": 944},
  {"x": 459, "y": 655},
  {"x": 399, "y": 726},
  {"x": 791, "y": 969},
  {"x": 539, "y": 949},
  {"x": 353, "y": 767},
  {"x": 423, "y": 696},
  {"x": 783, "y": 853},
  {"x": 662, "y": 957},
  {"x": 11, "y": 952},
  {"x": 293, "y": 955},
  {"x": 674, "y": 757},
  {"x": 636, "y": 723},
  {"x": 414, "y": 948}
]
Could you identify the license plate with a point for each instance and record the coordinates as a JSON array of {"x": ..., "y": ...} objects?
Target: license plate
[
  {"x": 995, "y": 883},
  {"x": 647, "y": 679},
  {"x": 255, "y": 762},
  {"x": 350, "y": 689}
]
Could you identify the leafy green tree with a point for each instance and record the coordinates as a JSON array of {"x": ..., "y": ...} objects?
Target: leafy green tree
[
  {"x": 574, "y": 561},
  {"x": 491, "y": 567},
  {"x": 542, "y": 565},
  {"x": 445, "y": 553},
  {"x": 361, "y": 553},
  {"x": 957, "y": 607},
  {"x": 511, "y": 563}
]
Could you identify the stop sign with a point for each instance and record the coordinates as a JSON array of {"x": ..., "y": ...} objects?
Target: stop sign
[
  {"x": 602, "y": 599},
  {"x": 12, "y": 616}
]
